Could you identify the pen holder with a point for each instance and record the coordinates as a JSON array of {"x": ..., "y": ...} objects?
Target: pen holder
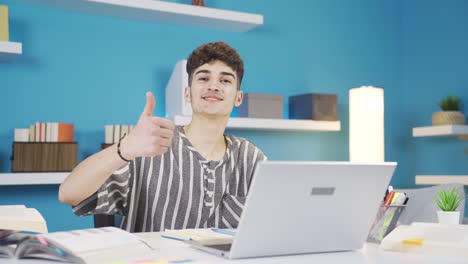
[{"x": 385, "y": 221}]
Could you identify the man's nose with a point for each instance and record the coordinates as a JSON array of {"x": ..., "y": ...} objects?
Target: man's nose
[{"x": 213, "y": 85}]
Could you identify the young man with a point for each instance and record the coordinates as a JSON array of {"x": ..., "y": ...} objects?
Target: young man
[{"x": 165, "y": 177}]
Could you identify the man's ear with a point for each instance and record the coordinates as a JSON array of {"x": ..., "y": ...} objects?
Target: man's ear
[
  {"x": 187, "y": 95},
  {"x": 239, "y": 97}
]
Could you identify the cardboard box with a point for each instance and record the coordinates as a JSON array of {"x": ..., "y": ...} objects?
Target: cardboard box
[
  {"x": 314, "y": 106},
  {"x": 44, "y": 157},
  {"x": 261, "y": 106}
]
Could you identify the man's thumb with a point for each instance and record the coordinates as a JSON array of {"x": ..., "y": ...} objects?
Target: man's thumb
[{"x": 150, "y": 104}]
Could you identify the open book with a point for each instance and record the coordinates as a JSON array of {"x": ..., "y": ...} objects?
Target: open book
[
  {"x": 20, "y": 218},
  {"x": 96, "y": 245},
  {"x": 205, "y": 236}
]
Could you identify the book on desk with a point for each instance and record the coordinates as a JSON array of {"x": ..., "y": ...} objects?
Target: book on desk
[
  {"x": 206, "y": 236},
  {"x": 95, "y": 245}
]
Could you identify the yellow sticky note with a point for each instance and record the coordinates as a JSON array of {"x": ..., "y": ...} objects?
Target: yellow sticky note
[
  {"x": 4, "y": 34},
  {"x": 413, "y": 241}
]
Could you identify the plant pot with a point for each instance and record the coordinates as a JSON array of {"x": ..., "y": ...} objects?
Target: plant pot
[
  {"x": 448, "y": 118},
  {"x": 448, "y": 218}
]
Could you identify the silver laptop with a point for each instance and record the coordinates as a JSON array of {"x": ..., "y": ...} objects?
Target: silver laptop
[{"x": 307, "y": 207}]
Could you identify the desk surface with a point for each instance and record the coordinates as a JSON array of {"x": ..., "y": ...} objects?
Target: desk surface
[{"x": 369, "y": 254}]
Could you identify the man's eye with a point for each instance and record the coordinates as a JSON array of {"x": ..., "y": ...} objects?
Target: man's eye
[
  {"x": 203, "y": 78},
  {"x": 226, "y": 81}
]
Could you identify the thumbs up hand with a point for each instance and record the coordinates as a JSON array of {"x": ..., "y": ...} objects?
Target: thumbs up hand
[{"x": 152, "y": 135}]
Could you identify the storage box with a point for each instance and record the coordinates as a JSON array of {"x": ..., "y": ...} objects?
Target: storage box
[
  {"x": 313, "y": 106},
  {"x": 43, "y": 157},
  {"x": 261, "y": 106}
]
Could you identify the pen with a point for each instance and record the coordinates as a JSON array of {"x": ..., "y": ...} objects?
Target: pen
[
  {"x": 224, "y": 231},
  {"x": 176, "y": 238}
]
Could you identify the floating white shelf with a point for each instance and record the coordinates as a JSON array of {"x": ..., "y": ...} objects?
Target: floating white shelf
[
  {"x": 441, "y": 179},
  {"x": 162, "y": 11},
  {"x": 448, "y": 130},
  {"x": 9, "y": 50},
  {"x": 272, "y": 124},
  {"x": 36, "y": 178}
]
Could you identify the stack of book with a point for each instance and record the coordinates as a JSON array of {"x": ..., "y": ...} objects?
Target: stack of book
[
  {"x": 44, "y": 147},
  {"x": 112, "y": 133},
  {"x": 45, "y": 132}
]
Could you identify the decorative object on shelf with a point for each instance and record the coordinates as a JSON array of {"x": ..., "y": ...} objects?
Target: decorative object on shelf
[
  {"x": 198, "y": 2},
  {"x": 261, "y": 106},
  {"x": 448, "y": 201},
  {"x": 321, "y": 107},
  {"x": 175, "y": 100},
  {"x": 366, "y": 124},
  {"x": 44, "y": 157},
  {"x": 450, "y": 114},
  {"x": 4, "y": 33}
]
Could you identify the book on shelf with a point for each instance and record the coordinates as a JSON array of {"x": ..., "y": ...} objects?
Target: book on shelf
[
  {"x": 46, "y": 132},
  {"x": 4, "y": 32},
  {"x": 116, "y": 133},
  {"x": 21, "y": 135},
  {"x": 21, "y": 218},
  {"x": 112, "y": 133},
  {"x": 96, "y": 245},
  {"x": 108, "y": 134}
]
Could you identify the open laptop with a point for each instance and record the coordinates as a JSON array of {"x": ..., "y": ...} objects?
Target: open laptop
[{"x": 307, "y": 207}]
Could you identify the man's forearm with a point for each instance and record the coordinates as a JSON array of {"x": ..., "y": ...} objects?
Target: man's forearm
[
  {"x": 89, "y": 175},
  {"x": 152, "y": 136}
]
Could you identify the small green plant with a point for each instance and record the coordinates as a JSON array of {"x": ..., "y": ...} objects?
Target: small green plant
[
  {"x": 450, "y": 103},
  {"x": 448, "y": 200}
]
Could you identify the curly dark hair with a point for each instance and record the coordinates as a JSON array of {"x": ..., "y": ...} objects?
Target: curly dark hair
[{"x": 213, "y": 51}]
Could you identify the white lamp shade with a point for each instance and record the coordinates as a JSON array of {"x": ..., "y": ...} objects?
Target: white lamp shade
[{"x": 366, "y": 124}]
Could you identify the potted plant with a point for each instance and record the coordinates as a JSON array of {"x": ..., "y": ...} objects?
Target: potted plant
[
  {"x": 448, "y": 201},
  {"x": 450, "y": 114}
]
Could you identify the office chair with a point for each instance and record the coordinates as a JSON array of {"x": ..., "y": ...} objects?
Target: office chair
[{"x": 102, "y": 220}]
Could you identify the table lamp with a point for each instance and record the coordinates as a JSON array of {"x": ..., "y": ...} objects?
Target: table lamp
[{"x": 366, "y": 124}]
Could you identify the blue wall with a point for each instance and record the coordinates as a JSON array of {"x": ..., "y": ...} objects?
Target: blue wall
[{"x": 94, "y": 70}]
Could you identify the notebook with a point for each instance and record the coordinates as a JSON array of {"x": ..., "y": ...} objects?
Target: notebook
[{"x": 307, "y": 207}]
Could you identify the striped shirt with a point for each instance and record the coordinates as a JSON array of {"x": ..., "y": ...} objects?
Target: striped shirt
[{"x": 179, "y": 189}]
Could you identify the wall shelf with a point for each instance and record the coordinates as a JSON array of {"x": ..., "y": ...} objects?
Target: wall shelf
[
  {"x": 273, "y": 124},
  {"x": 36, "y": 178},
  {"x": 441, "y": 179},
  {"x": 162, "y": 11},
  {"x": 448, "y": 130},
  {"x": 10, "y": 50}
]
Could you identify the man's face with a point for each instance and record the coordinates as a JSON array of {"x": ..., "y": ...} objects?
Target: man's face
[{"x": 214, "y": 89}]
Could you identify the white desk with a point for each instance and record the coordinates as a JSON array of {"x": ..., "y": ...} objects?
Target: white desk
[{"x": 369, "y": 254}]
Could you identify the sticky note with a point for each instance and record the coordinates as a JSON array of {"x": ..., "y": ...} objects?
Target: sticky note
[{"x": 413, "y": 241}]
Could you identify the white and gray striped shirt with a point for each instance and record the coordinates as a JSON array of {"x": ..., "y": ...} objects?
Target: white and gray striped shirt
[{"x": 179, "y": 189}]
